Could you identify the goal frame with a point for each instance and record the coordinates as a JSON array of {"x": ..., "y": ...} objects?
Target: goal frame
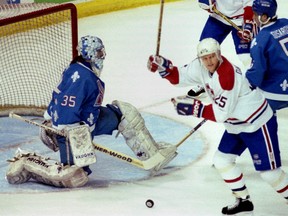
[{"x": 50, "y": 9}]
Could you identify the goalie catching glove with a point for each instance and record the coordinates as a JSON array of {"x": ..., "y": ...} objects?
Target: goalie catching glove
[
  {"x": 188, "y": 106},
  {"x": 48, "y": 137}
]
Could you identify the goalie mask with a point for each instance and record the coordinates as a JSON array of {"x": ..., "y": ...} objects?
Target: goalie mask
[{"x": 91, "y": 48}]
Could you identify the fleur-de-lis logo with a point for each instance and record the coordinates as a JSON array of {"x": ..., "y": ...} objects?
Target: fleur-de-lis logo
[
  {"x": 284, "y": 85},
  {"x": 75, "y": 76},
  {"x": 91, "y": 119}
]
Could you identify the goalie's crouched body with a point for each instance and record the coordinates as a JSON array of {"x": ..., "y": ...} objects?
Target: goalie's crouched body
[
  {"x": 78, "y": 98},
  {"x": 118, "y": 115}
]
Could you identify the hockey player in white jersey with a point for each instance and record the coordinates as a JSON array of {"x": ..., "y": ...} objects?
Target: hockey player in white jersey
[
  {"x": 269, "y": 52},
  {"x": 239, "y": 12},
  {"x": 76, "y": 109},
  {"x": 248, "y": 119}
]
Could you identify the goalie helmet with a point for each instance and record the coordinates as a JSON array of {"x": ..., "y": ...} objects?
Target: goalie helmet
[
  {"x": 91, "y": 48},
  {"x": 267, "y": 7},
  {"x": 208, "y": 46}
]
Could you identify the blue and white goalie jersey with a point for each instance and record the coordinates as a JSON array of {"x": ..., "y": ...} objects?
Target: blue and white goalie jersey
[{"x": 78, "y": 97}]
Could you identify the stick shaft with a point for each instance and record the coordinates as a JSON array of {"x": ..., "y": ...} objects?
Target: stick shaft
[
  {"x": 226, "y": 19},
  {"x": 191, "y": 132},
  {"x": 160, "y": 27},
  {"x": 110, "y": 152}
]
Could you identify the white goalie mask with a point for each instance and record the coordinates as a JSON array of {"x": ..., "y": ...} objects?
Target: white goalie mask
[
  {"x": 208, "y": 46},
  {"x": 91, "y": 48}
]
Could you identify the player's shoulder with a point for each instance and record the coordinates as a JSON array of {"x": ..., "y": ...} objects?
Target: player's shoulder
[
  {"x": 79, "y": 73},
  {"x": 82, "y": 70},
  {"x": 195, "y": 63},
  {"x": 282, "y": 22},
  {"x": 226, "y": 74}
]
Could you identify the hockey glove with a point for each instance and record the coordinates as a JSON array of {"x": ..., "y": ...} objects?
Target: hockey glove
[
  {"x": 47, "y": 137},
  {"x": 207, "y": 5},
  {"x": 246, "y": 32},
  {"x": 188, "y": 106},
  {"x": 249, "y": 29},
  {"x": 160, "y": 64}
]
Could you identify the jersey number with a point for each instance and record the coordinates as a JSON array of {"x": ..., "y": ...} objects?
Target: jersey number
[
  {"x": 221, "y": 101},
  {"x": 68, "y": 101}
]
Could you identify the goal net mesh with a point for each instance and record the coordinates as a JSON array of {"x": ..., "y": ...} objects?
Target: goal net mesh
[{"x": 37, "y": 42}]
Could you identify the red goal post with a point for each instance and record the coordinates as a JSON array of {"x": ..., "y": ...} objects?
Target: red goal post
[{"x": 37, "y": 42}]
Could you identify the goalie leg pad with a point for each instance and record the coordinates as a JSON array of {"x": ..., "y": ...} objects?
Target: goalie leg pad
[
  {"x": 139, "y": 139},
  {"x": 16, "y": 173},
  {"x": 133, "y": 129},
  {"x": 81, "y": 145},
  {"x": 46, "y": 171}
]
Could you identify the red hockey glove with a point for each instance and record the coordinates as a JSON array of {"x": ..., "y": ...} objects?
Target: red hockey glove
[
  {"x": 207, "y": 5},
  {"x": 188, "y": 106},
  {"x": 249, "y": 29},
  {"x": 246, "y": 32},
  {"x": 160, "y": 64}
]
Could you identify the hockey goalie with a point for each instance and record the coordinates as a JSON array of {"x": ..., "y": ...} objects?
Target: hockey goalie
[{"x": 76, "y": 110}]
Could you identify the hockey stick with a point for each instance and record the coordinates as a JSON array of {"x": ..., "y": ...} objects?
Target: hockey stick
[
  {"x": 226, "y": 18},
  {"x": 147, "y": 165},
  {"x": 159, "y": 27},
  {"x": 191, "y": 132}
]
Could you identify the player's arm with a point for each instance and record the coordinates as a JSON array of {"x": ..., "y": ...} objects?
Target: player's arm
[
  {"x": 164, "y": 67},
  {"x": 249, "y": 29},
  {"x": 194, "y": 107},
  {"x": 186, "y": 75}
]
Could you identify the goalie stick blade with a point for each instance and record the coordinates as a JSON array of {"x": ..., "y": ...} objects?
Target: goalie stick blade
[
  {"x": 146, "y": 165},
  {"x": 153, "y": 161}
]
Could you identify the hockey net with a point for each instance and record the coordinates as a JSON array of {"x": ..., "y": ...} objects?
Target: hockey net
[{"x": 37, "y": 42}]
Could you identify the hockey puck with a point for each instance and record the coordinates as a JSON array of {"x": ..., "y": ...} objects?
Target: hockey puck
[{"x": 149, "y": 203}]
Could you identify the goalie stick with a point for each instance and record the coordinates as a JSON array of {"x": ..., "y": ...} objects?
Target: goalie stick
[{"x": 146, "y": 165}]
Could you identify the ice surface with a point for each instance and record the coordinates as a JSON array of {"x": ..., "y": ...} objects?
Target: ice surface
[
  {"x": 196, "y": 190},
  {"x": 108, "y": 170}
]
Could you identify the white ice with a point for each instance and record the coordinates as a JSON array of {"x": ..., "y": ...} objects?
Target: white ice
[{"x": 130, "y": 37}]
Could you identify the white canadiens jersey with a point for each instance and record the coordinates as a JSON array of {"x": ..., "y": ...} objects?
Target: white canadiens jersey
[
  {"x": 233, "y": 9},
  {"x": 233, "y": 102}
]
